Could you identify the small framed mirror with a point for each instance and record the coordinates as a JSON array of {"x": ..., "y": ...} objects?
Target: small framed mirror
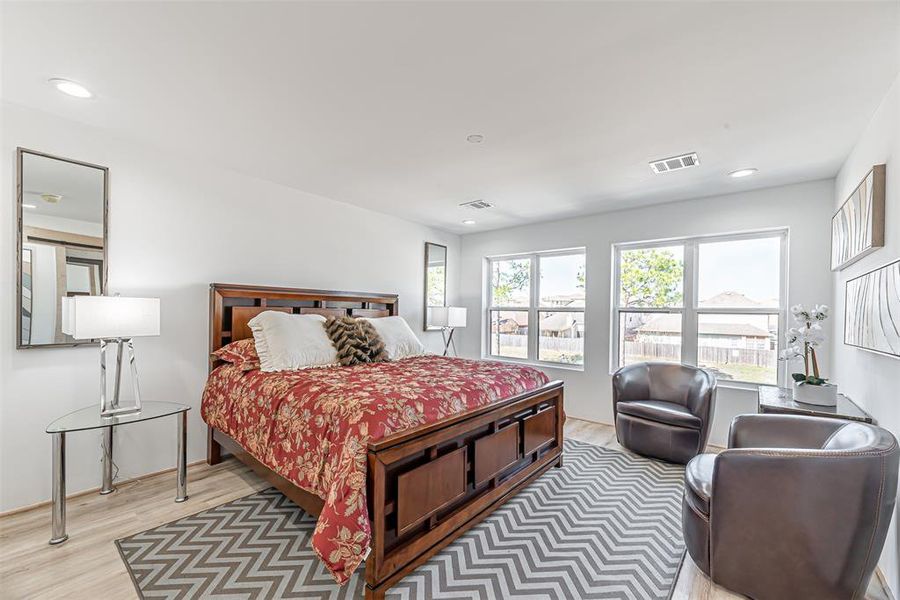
[
  {"x": 61, "y": 242},
  {"x": 435, "y": 278}
]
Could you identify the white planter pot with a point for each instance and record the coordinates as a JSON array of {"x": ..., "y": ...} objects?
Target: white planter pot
[{"x": 820, "y": 395}]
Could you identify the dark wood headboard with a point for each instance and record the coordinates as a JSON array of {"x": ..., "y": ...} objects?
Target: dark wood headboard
[{"x": 232, "y": 306}]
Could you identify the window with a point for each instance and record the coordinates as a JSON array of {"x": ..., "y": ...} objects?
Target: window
[
  {"x": 536, "y": 307},
  {"x": 716, "y": 301}
]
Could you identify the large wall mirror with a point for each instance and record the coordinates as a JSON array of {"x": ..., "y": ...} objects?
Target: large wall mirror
[
  {"x": 62, "y": 207},
  {"x": 435, "y": 278}
]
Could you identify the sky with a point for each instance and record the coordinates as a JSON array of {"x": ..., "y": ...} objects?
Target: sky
[
  {"x": 559, "y": 274},
  {"x": 724, "y": 267}
]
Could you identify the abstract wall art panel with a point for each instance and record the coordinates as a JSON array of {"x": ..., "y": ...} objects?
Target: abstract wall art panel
[
  {"x": 857, "y": 228},
  {"x": 872, "y": 310}
]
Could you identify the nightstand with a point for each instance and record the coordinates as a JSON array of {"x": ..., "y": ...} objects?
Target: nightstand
[{"x": 89, "y": 418}]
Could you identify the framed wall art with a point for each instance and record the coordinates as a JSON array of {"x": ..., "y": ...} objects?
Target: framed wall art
[
  {"x": 872, "y": 310},
  {"x": 857, "y": 228}
]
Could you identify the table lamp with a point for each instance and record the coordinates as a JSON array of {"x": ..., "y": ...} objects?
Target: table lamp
[
  {"x": 112, "y": 319},
  {"x": 448, "y": 318}
]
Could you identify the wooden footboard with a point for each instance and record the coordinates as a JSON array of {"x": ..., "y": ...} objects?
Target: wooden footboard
[{"x": 428, "y": 485}]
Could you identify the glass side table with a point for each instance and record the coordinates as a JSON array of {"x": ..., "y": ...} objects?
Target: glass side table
[{"x": 89, "y": 418}]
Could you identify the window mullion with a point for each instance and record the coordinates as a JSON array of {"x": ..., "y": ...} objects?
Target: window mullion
[
  {"x": 615, "y": 318},
  {"x": 781, "y": 376},
  {"x": 689, "y": 339},
  {"x": 534, "y": 326},
  {"x": 489, "y": 295}
]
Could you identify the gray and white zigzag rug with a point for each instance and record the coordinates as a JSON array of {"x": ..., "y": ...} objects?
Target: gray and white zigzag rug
[{"x": 606, "y": 525}]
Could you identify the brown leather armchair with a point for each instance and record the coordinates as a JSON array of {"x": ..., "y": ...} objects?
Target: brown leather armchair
[
  {"x": 663, "y": 410},
  {"x": 797, "y": 507}
]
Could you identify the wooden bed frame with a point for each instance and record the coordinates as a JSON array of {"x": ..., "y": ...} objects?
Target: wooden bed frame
[{"x": 425, "y": 486}]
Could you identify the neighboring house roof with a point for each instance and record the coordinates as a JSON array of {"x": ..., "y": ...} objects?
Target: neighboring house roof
[
  {"x": 564, "y": 299},
  {"x": 560, "y": 321},
  {"x": 735, "y": 329},
  {"x": 672, "y": 324},
  {"x": 520, "y": 317},
  {"x": 736, "y": 299}
]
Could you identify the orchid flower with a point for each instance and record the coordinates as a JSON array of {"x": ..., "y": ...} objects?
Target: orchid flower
[{"x": 803, "y": 339}]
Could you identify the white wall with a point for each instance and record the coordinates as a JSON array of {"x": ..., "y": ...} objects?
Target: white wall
[
  {"x": 871, "y": 379},
  {"x": 805, "y": 208},
  {"x": 177, "y": 224}
]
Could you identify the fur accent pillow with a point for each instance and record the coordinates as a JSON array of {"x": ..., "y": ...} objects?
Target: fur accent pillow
[{"x": 355, "y": 341}]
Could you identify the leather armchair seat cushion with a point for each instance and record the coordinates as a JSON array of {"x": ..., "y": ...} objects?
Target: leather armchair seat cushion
[
  {"x": 659, "y": 440},
  {"x": 661, "y": 412},
  {"x": 698, "y": 476}
]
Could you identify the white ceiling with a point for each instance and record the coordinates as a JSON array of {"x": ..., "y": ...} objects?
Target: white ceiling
[{"x": 370, "y": 103}]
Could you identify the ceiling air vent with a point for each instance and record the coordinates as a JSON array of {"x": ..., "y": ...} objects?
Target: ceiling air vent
[
  {"x": 675, "y": 163},
  {"x": 479, "y": 204}
]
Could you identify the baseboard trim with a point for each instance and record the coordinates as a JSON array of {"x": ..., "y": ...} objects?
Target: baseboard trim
[
  {"x": 613, "y": 426},
  {"x": 577, "y": 418},
  {"x": 93, "y": 490}
]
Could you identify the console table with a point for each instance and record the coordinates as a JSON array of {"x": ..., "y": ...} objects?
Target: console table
[
  {"x": 89, "y": 418},
  {"x": 779, "y": 400}
]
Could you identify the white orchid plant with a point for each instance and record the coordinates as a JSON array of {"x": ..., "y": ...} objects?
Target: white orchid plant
[{"x": 803, "y": 339}]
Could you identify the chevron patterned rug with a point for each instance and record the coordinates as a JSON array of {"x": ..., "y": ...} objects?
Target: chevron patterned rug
[{"x": 606, "y": 525}]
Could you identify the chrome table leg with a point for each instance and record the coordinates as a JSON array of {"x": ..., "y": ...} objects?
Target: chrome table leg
[
  {"x": 58, "y": 533},
  {"x": 181, "y": 495},
  {"x": 107, "y": 461}
]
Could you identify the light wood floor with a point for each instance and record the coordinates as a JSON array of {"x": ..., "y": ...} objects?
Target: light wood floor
[{"x": 89, "y": 566}]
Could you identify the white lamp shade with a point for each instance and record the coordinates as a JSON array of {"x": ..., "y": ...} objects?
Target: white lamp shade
[
  {"x": 447, "y": 316},
  {"x": 105, "y": 317}
]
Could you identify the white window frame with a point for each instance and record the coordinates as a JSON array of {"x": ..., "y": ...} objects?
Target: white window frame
[
  {"x": 690, "y": 310},
  {"x": 533, "y": 309}
]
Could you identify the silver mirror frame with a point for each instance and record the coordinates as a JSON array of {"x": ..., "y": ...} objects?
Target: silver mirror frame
[
  {"x": 20, "y": 153},
  {"x": 428, "y": 245}
]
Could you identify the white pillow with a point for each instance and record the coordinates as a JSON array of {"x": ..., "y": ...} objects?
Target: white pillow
[
  {"x": 399, "y": 340},
  {"x": 285, "y": 342}
]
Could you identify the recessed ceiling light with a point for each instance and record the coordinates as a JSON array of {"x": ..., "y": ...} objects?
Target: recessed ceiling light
[
  {"x": 475, "y": 138},
  {"x": 28, "y": 205},
  {"x": 71, "y": 88},
  {"x": 468, "y": 222},
  {"x": 742, "y": 173}
]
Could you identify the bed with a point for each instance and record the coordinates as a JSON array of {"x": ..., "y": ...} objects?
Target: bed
[{"x": 464, "y": 438}]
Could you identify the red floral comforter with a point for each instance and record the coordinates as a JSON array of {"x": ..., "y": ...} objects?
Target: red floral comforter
[{"x": 313, "y": 426}]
